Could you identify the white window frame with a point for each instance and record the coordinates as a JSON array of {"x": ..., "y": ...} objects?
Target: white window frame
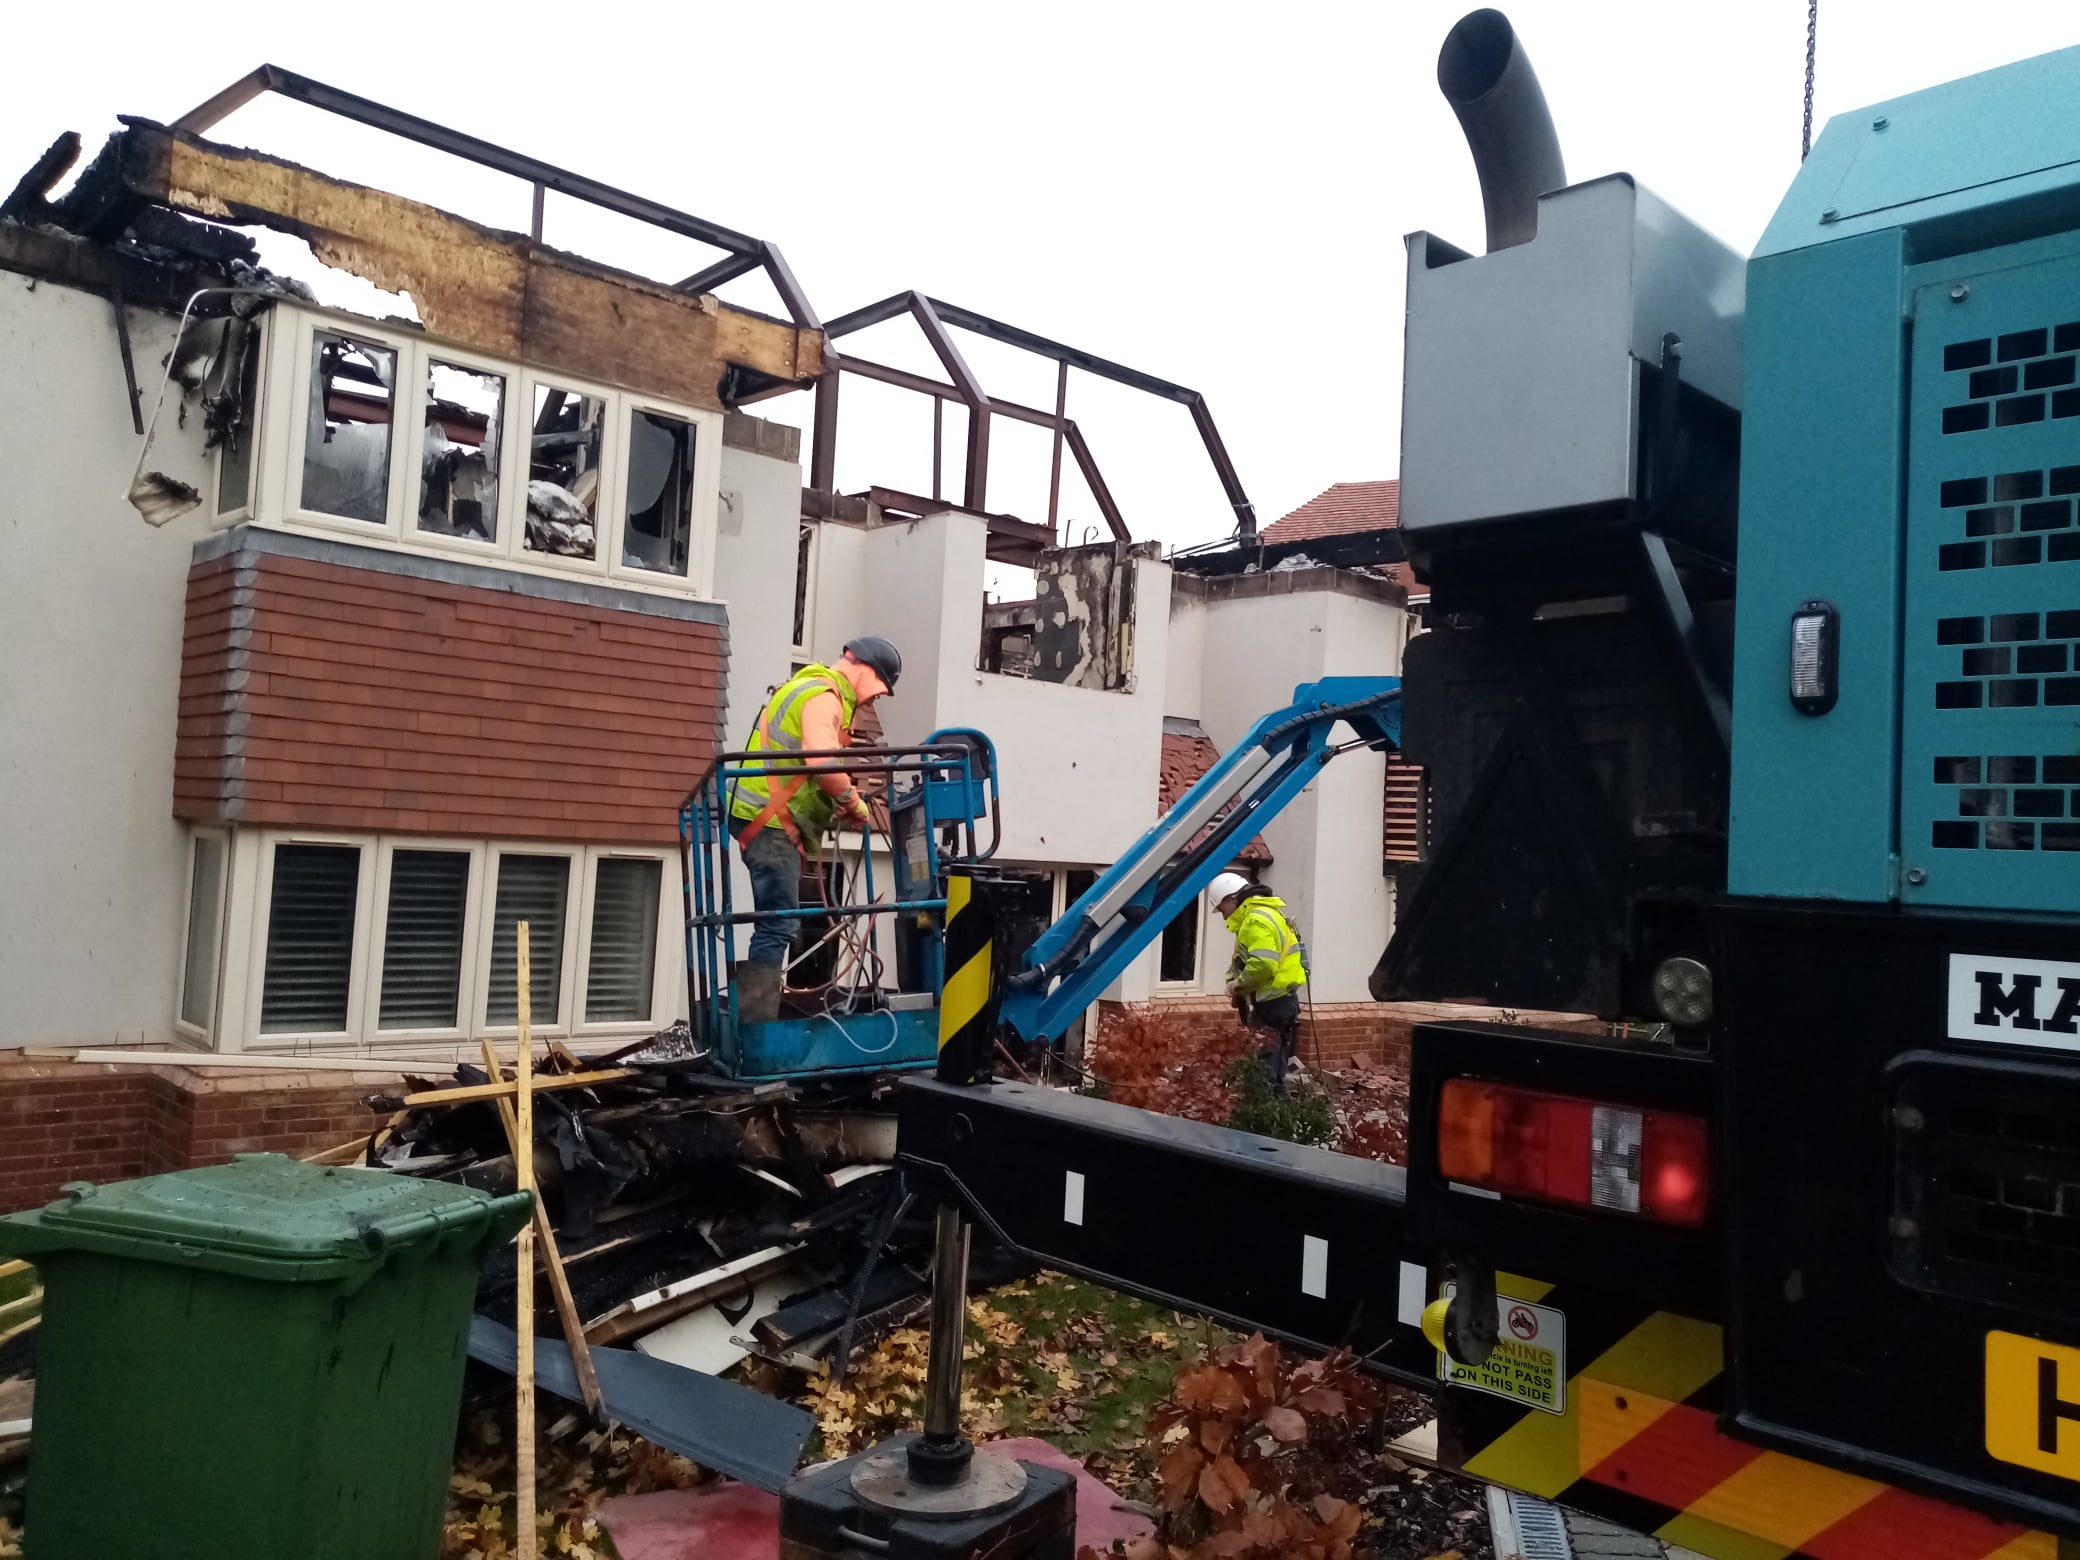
[
  {"x": 263, "y": 906},
  {"x": 387, "y": 846},
  {"x": 257, "y": 455},
  {"x": 281, "y": 429},
  {"x": 512, "y": 458},
  {"x": 567, "y": 978},
  {"x": 295, "y": 432},
  {"x": 707, "y": 496},
  {"x": 1197, "y": 982},
  {"x": 606, "y": 509},
  {"x": 670, "y": 933},
  {"x": 181, "y": 1026}
]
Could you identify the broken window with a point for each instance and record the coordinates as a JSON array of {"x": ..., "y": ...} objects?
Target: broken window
[
  {"x": 621, "y": 968},
  {"x": 563, "y": 473},
  {"x": 422, "y": 939},
  {"x": 205, "y": 922},
  {"x": 1179, "y": 961},
  {"x": 310, "y": 939},
  {"x": 659, "y": 531},
  {"x": 458, "y": 467},
  {"x": 346, "y": 451},
  {"x": 228, "y": 414},
  {"x": 804, "y": 574},
  {"x": 533, "y": 889}
]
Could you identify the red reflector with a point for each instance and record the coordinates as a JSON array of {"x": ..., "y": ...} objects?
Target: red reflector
[{"x": 1556, "y": 1148}]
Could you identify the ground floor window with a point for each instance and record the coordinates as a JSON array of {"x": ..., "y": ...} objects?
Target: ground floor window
[{"x": 344, "y": 939}]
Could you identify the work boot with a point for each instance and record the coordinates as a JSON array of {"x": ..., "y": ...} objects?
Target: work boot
[{"x": 758, "y": 993}]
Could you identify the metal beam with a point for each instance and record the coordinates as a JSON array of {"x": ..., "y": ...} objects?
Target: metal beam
[
  {"x": 1086, "y": 464},
  {"x": 903, "y": 379},
  {"x": 976, "y": 486},
  {"x": 727, "y": 269},
  {"x": 1311, "y": 1242}
]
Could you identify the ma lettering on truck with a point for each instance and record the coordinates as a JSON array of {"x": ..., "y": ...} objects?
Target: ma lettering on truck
[{"x": 1746, "y": 708}]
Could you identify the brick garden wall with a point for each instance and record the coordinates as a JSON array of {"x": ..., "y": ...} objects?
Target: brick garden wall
[
  {"x": 1336, "y": 1034},
  {"x": 66, "y": 1121}
]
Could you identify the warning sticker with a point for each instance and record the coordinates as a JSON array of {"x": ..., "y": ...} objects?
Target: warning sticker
[{"x": 1529, "y": 1362}]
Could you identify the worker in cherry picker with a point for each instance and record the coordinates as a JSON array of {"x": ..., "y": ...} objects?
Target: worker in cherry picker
[
  {"x": 1267, "y": 971},
  {"x": 781, "y": 820}
]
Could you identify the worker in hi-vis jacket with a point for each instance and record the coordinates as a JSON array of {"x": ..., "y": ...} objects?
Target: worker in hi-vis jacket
[
  {"x": 779, "y": 820},
  {"x": 1268, "y": 970}
]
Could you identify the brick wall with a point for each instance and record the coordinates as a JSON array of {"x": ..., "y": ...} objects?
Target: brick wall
[
  {"x": 1352, "y": 1034},
  {"x": 66, "y": 1121},
  {"x": 325, "y": 685}
]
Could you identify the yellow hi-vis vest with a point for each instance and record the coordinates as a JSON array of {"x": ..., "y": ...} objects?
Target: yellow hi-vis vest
[
  {"x": 1267, "y": 960},
  {"x": 779, "y": 730}
]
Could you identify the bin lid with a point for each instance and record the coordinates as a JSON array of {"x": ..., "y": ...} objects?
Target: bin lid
[{"x": 268, "y": 1205}]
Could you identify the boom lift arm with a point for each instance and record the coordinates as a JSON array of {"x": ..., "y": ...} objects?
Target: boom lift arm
[{"x": 1128, "y": 906}]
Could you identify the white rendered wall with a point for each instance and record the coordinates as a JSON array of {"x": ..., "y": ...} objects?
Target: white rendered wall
[
  {"x": 92, "y": 603},
  {"x": 1326, "y": 845}
]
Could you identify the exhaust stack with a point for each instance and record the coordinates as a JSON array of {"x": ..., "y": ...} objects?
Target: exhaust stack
[{"x": 1487, "y": 78}]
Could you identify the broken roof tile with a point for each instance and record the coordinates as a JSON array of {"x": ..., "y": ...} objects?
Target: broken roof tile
[{"x": 1187, "y": 756}]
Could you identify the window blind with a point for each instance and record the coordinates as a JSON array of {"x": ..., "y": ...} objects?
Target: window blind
[
  {"x": 531, "y": 889},
  {"x": 310, "y": 939},
  {"x": 422, "y": 939},
  {"x": 622, "y": 967}
]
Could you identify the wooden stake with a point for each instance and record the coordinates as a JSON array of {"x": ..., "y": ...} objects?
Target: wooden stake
[
  {"x": 552, "y": 1260},
  {"x": 523, "y": 1301}
]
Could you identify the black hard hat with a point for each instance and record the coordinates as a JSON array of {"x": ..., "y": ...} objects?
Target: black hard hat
[{"x": 879, "y": 654}]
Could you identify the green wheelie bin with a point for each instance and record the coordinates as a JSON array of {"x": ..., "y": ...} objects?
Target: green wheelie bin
[{"x": 254, "y": 1361}]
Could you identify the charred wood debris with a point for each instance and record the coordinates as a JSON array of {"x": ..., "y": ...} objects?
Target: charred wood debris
[{"x": 772, "y": 1210}]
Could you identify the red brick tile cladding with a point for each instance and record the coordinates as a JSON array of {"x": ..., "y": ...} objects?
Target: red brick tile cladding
[
  {"x": 64, "y": 1121},
  {"x": 1346, "y": 509},
  {"x": 1186, "y": 757},
  {"x": 326, "y": 685}
]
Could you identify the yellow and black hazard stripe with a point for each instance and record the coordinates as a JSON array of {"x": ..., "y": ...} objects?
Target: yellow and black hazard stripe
[
  {"x": 1639, "y": 1444},
  {"x": 967, "y": 998}
]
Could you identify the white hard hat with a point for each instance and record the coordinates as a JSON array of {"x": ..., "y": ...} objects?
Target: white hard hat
[{"x": 1224, "y": 885}]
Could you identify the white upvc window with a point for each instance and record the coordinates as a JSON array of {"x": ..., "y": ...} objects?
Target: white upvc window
[
  {"x": 202, "y": 933},
  {"x": 423, "y": 956},
  {"x": 396, "y": 439},
  {"x": 382, "y": 940},
  {"x": 1181, "y": 950},
  {"x": 313, "y": 918},
  {"x": 237, "y": 467}
]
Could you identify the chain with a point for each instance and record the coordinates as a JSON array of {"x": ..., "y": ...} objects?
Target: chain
[{"x": 1805, "y": 144}]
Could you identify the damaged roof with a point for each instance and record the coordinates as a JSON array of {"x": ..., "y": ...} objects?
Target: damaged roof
[{"x": 1187, "y": 755}]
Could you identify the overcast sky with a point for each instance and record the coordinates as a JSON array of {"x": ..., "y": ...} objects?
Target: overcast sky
[{"x": 1214, "y": 193}]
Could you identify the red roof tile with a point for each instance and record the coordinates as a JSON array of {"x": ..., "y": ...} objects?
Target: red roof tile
[
  {"x": 1187, "y": 756},
  {"x": 1346, "y": 509},
  {"x": 1340, "y": 510}
]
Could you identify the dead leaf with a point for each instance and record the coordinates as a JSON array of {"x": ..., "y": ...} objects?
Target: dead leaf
[
  {"x": 1320, "y": 1400},
  {"x": 1211, "y": 1390},
  {"x": 1222, "y": 1483},
  {"x": 1214, "y": 1433},
  {"x": 1286, "y": 1423},
  {"x": 1177, "y": 1472},
  {"x": 1341, "y": 1518}
]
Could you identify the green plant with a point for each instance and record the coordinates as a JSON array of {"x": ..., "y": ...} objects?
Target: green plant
[{"x": 1300, "y": 1116}]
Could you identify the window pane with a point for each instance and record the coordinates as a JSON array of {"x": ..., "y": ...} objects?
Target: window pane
[
  {"x": 310, "y": 939},
  {"x": 563, "y": 472},
  {"x": 228, "y": 413},
  {"x": 422, "y": 939},
  {"x": 1180, "y": 956},
  {"x": 623, "y": 963},
  {"x": 660, "y": 493},
  {"x": 458, "y": 467},
  {"x": 205, "y": 918},
  {"x": 346, "y": 451},
  {"x": 531, "y": 889}
]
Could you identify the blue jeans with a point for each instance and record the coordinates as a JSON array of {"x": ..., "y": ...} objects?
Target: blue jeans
[{"x": 776, "y": 884}]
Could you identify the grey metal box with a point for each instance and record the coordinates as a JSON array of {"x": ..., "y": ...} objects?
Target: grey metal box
[{"x": 1521, "y": 383}]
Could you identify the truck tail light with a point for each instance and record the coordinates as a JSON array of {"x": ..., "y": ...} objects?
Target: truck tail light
[{"x": 1615, "y": 1158}]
